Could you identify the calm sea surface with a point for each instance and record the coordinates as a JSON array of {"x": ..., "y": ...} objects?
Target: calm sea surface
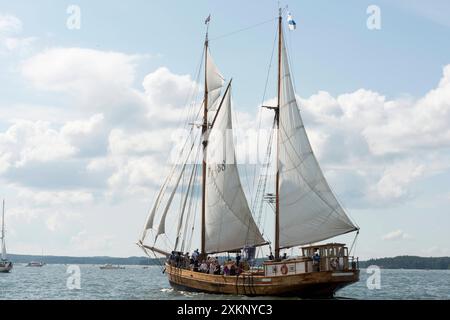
[{"x": 135, "y": 282}]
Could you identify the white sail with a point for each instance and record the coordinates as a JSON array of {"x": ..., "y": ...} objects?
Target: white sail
[
  {"x": 162, "y": 223},
  {"x": 309, "y": 211},
  {"x": 214, "y": 82},
  {"x": 3, "y": 250},
  {"x": 151, "y": 217},
  {"x": 229, "y": 222},
  {"x": 149, "y": 223}
]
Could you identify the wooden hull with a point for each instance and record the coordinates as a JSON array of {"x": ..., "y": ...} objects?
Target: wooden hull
[{"x": 314, "y": 284}]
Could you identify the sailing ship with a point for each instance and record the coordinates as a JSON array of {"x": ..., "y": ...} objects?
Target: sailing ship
[
  {"x": 37, "y": 264},
  {"x": 306, "y": 211},
  {"x": 5, "y": 264}
]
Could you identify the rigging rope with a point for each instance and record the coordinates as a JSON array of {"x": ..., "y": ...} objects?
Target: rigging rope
[{"x": 243, "y": 29}]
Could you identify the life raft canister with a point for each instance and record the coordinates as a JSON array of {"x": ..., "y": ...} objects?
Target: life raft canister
[{"x": 284, "y": 269}]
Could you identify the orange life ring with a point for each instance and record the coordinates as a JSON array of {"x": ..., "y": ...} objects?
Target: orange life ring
[{"x": 284, "y": 269}]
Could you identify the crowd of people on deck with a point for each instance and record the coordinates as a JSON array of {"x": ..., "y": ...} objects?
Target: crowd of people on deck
[
  {"x": 208, "y": 264},
  {"x": 211, "y": 265}
]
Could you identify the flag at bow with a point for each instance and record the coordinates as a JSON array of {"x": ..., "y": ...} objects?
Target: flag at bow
[
  {"x": 291, "y": 23},
  {"x": 208, "y": 19}
]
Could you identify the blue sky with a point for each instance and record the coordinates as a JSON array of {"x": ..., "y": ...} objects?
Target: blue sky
[{"x": 394, "y": 181}]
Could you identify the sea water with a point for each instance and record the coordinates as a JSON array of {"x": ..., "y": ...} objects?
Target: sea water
[{"x": 137, "y": 282}]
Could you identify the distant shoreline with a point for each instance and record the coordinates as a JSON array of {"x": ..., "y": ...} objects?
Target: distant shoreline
[{"x": 399, "y": 262}]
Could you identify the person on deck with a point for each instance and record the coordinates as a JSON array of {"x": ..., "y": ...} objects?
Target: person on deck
[
  {"x": 226, "y": 270},
  {"x": 196, "y": 264},
  {"x": 217, "y": 269},
  {"x": 172, "y": 258},
  {"x": 316, "y": 261},
  {"x": 238, "y": 259},
  {"x": 203, "y": 267},
  {"x": 284, "y": 256},
  {"x": 232, "y": 270},
  {"x": 195, "y": 254}
]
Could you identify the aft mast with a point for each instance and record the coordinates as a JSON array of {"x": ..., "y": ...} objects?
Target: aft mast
[
  {"x": 277, "y": 120},
  {"x": 204, "y": 134}
]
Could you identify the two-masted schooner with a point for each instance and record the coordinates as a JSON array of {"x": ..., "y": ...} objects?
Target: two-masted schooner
[
  {"x": 5, "y": 264},
  {"x": 306, "y": 212}
]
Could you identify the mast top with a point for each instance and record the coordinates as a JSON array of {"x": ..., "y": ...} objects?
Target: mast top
[{"x": 207, "y": 21}]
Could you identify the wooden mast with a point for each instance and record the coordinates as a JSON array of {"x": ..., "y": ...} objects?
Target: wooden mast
[
  {"x": 204, "y": 133},
  {"x": 277, "y": 119}
]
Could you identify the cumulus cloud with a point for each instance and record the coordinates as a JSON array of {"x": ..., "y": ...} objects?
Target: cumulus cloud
[
  {"x": 27, "y": 141},
  {"x": 373, "y": 149},
  {"x": 55, "y": 198},
  {"x": 10, "y": 29},
  {"x": 84, "y": 241},
  {"x": 124, "y": 131},
  {"x": 396, "y": 235},
  {"x": 84, "y": 73},
  {"x": 386, "y": 144},
  {"x": 10, "y": 24}
]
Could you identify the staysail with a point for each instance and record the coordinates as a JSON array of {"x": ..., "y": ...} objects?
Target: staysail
[
  {"x": 229, "y": 222},
  {"x": 309, "y": 211}
]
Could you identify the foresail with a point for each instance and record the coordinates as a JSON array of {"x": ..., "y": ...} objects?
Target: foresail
[
  {"x": 229, "y": 222},
  {"x": 149, "y": 223},
  {"x": 214, "y": 80},
  {"x": 309, "y": 211}
]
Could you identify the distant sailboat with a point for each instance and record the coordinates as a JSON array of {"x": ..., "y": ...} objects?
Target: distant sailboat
[
  {"x": 37, "y": 263},
  {"x": 305, "y": 209},
  {"x": 5, "y": 264}
]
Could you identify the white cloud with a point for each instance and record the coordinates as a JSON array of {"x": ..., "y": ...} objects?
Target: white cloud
[
  {"x": 391, "y": 143},
  {"x": 95, "y": 78},
  {"x": 55, "y": 198},
  {"x": 396, "y": 235},
  {"x": 165, "y": 88},
  {"x": 98, "y": 244},
  {"x": 27, "y": 141},
  {"x": 10, "y": 28},
  {"x": 396, "y": 179},
  {"x": 12, "y": 43},
  {"x": 120, "y": 143},
  {"x": 10, "y": 24},
  {"x": 437, "y": 251}
]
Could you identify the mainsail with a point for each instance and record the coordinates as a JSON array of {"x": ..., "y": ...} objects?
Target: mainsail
[
  {"x": 309, "y": 211},
  {"x": 229, "y": 222}
]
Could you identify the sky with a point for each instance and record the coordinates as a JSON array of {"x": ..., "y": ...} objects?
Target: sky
[{"x": 87, "y": 114}]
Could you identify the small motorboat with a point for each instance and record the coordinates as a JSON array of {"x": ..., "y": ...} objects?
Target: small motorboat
[{"x": 111, "y": 267}]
